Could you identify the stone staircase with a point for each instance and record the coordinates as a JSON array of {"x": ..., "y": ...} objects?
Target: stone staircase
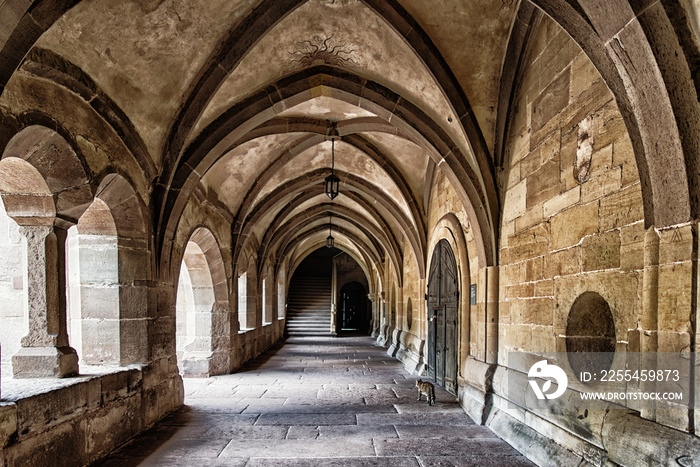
[{"x": 309, "y": 307}]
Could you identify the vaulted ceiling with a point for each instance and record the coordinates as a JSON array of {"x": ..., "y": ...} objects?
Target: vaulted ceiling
[{"x": 237, "y": 98}]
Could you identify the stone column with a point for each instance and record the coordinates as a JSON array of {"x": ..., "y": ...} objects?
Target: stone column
[
  {"x": 650, "y": 308},
  {"x": 383, "y": 326},
  {"x": 45, "y": 351},
  {"x": 491, "y": 314},
  {"x": 694, "y": 358},
  {"x": 375, "y": 315},
  {"x": 334, "y": 294}
]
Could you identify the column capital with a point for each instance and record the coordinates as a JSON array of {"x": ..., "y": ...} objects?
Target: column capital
[{"x": 37, "y": 232}]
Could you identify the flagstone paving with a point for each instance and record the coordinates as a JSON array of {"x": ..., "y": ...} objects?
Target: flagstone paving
[{"x": 316, "y": 402}]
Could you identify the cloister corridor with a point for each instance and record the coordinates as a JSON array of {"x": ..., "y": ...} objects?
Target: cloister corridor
[
  {"x": 236, "y": 232},
  {"x": 316, "y": 401}
]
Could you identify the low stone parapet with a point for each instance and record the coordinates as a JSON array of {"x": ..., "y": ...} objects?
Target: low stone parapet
[{"x": 75, "y": 421}]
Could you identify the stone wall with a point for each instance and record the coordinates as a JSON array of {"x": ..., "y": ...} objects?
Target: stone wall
[
  {"x": 77, "y": 421},
  {"x": 572, "y": 210},
  {"x": 410, "y": 343},
  {"x": 572, "y": 222}
]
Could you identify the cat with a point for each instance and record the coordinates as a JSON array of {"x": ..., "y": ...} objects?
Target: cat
[{"x": 428, "y": 389}]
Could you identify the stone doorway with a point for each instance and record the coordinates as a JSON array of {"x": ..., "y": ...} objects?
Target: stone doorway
[
  {"x": 353, "y": 309},
  {"x": 443, "y": 295}
]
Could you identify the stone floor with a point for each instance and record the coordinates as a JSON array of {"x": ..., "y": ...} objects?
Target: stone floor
[{"x": 316, "y": 402}]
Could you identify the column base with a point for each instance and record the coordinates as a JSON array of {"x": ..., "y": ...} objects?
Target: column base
[{"x": 45, "y": 362}]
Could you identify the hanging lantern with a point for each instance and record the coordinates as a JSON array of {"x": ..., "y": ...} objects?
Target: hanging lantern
[
  {"x": 332, "y": 182},
  {"x": 332, "y": 186},
  {"x": 330, "y": 241}
]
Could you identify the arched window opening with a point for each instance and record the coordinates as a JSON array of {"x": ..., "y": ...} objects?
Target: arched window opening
[
  {"x": 266, "y": 302},
  {"x": 203, "y": 315},
  {"x": 243, "y": 301},
  {"x": 185, "y": 314},
  {"x": 13, "y": 312},
  {"x": 93, "y": 286},
  {"x": 106, "y": 265},
  {"x": 195, "y": 302},
  {"x": 282, "y": 295},
  {"x": 44, "y": 350}
]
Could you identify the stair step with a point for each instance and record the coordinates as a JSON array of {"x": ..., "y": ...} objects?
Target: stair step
[
  {"x": 301, "y": 324},
  {"x": 309, "y": 307}
]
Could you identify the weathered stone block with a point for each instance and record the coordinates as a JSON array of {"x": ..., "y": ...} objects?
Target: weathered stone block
[
  {"x": 534, "y": 311},
  {"x": 513, "y": 175},
  {"x": 120, "y": 385},
  {"x": 623, "y": 156},
  {"x": 562, "y": 201},
  {"x": 528, "y": 243},
  {"x": 99, "y": 263},
  {"x": 543, "y": 339},
  {"x": 570, "y": 226},
  {"x": 602, "y": 161},
  {"x": 518, "y": 336},
  {"x": 621, "y": 208},
  {"x": 664, "y": 443},
  {"x": 512, "y": 273},
  {"x": 544, "y": 288},
  {"x": 514, "y": 204},
  {"x": 632, "y": 247},
  {"x": 113, "y": 426},
  {"x": 609, "y": 126},
  {"x": 530, "y": 163},
  {"x": 601, "y": 251},
  {"x": 676, "y": 343},
  {"x": 543, "y": 184},
  {"x": 567, "y": 159},
  {"x": 583, "y": 73},
  {"x": 99, "y": 343},
  {"x": 602, "y": 185},
  {"x": 101, "y": 302},
  {"x": 39, "y": 412},
  {"x": 532, "y": 217},
  {"x": 528, "y": 441},
  {"x": 675, "y": 244},
  {"x": 132, "y": 264},
  {"x": 44, "y": 362},
  {"x": 552, "y": 100},
  {"x": 534, "y": 269},
  {"x": 64, "y": 445},
  {"x": 520, "y": 291},
  {"x": 675, "y": 295}
]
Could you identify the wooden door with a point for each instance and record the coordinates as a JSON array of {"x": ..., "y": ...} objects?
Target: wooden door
[{"x": 443, "y": 296}]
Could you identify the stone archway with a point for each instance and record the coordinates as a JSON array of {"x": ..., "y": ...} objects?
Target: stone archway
[{"x": 202, "y": 308}]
